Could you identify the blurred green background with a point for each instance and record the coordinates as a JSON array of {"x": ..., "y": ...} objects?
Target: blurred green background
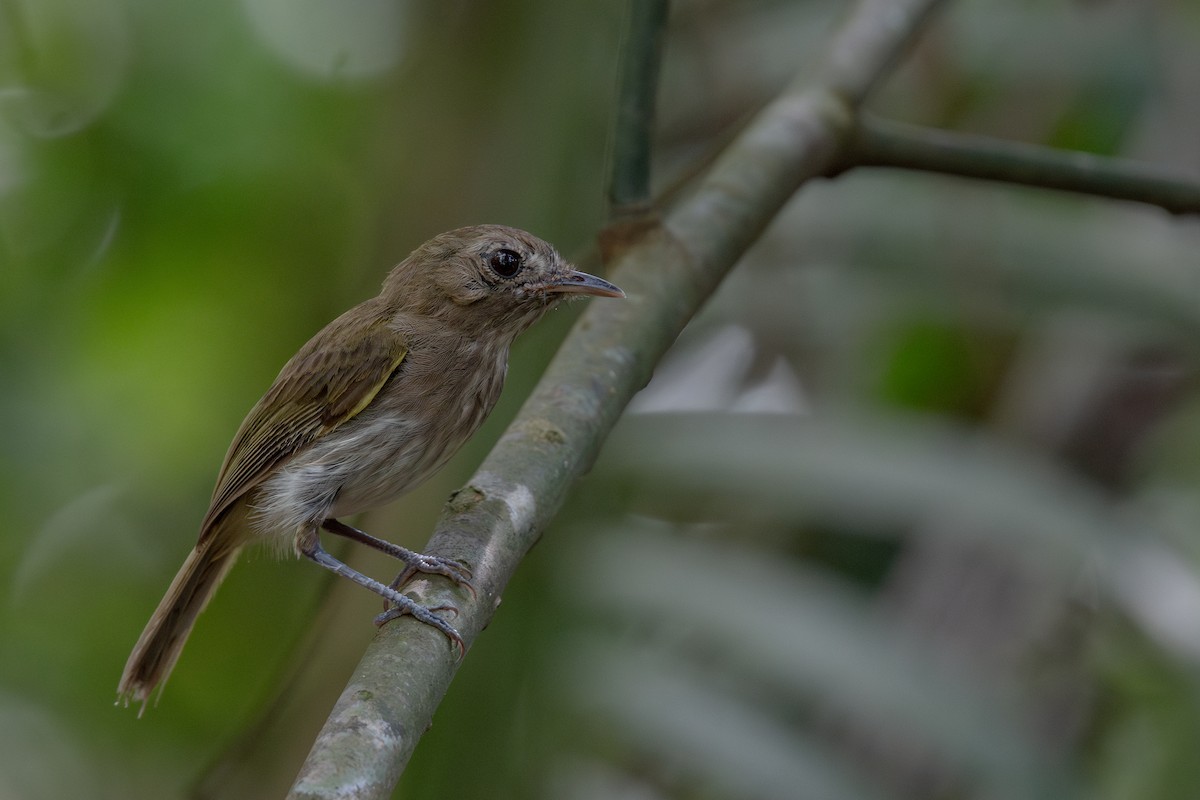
[{"x": 910, "y": 511}]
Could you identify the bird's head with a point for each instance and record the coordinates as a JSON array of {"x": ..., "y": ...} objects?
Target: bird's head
[{"x": 488, "y": 275}]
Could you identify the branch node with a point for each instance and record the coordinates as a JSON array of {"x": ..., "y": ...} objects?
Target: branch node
[
  {"x": 464, "y": 499},
  {"x": 626, "y": 231}
]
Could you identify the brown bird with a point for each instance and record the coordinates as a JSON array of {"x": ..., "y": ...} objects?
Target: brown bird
[{"x": 368, "y": 408}]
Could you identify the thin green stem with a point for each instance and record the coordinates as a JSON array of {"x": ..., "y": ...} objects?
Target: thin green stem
[{"x": 641, "y": 54}]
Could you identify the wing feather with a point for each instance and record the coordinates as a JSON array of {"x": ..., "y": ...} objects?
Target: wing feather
[{"x": 333, "y": 378}]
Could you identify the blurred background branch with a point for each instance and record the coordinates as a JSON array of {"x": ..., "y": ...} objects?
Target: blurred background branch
[
  {"x": 881, "y": 143},
  {"x": 633, "y": 124}
]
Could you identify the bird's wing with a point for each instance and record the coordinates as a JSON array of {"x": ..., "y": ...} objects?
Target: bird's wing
[{"x": 333, "y": 377}]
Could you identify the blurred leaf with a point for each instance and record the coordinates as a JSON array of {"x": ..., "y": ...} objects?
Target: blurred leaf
[
  {"x": 869, "y": 472},
  {"x": 940, "y": 368},
  {"x": 889, "y": 476},
  {"x": 690, "y": 723},
  {"x": 793, "y": 634},
  {"x": 1151, "y": 722}
]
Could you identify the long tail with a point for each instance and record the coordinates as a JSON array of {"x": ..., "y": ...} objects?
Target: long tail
[{"x": 160, "y": 643}]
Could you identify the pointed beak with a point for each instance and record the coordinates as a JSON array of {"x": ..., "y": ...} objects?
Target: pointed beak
[{"x": 576, "y": 282}]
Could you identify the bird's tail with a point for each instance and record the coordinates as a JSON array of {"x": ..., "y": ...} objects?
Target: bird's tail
[{"x": 160, "y": 643}]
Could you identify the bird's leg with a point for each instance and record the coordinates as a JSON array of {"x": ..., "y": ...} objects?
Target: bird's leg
[
  {"x": 414, "y": 562},
  {"x": 309, "y": 545}
]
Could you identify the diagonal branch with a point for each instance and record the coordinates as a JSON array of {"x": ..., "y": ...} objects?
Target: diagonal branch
[
  {"x": 668, "y": 274},
  {"x": 881, "y": 143}
]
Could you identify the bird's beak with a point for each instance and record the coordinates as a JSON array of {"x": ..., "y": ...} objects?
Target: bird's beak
[{"x": 576, "y": 282}]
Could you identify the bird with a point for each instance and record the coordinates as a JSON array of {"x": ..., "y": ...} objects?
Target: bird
[{"x": 370, "y": 407}]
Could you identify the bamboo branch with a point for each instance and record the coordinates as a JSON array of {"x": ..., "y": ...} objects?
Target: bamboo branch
[
  {"x": 881, "y": 143},
  {"x": 641, "y": 54},
  {"x": 668, "y": 273}
]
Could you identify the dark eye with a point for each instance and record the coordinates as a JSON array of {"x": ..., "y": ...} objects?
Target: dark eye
[{"x": 505, "y": 263}]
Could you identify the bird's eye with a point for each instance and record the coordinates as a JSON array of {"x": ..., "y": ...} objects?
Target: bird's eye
[{"x": 505, "y": 263}]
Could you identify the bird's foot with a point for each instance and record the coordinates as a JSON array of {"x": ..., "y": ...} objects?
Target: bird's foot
[
  {"x": 417, "y": 563},
  {"x": 401, "y": 605},
  {"x": 414, "y": 563},
  {"x": 420, "y": 563}
]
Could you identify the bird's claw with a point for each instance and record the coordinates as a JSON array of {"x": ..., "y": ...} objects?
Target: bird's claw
[
  {"x": 459, "y": 573},
  {"x": 423, "y": 614}
]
